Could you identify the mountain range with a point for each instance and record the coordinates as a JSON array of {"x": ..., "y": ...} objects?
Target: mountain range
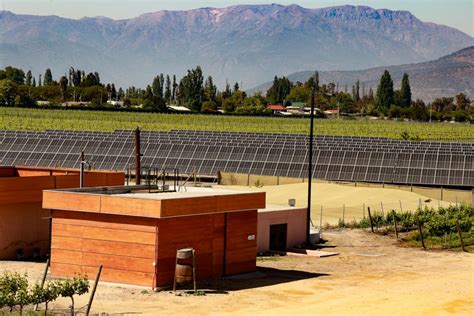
[
  {"x": 444, "y": 77},
  {"x": 245, "y": 43}
]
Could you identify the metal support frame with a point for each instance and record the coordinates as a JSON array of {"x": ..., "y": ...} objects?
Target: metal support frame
[
  {"x": 137, "y": 157},
  {"x": 310, "y": 163}
]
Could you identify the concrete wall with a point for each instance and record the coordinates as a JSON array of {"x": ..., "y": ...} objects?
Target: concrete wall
[
  {"x": 294, "y": 217},
  {"x": 24, "y": 224}
]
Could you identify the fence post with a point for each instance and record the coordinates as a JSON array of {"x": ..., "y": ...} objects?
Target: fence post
[
  {"x": 370, "y": 219},
  {"x": 343, "y": 215},
  {"x": 395, "y": 223},
  {"x": 420, "y": 229},
  {"x": 321, "y": 219},
  {"x": 401, "y": 208},
  {"x": 43, "y": 280},
  {"x": 460, "y": 235},
  {"x": 363, "y": 209},
  {"x": 91, "y": 298}
]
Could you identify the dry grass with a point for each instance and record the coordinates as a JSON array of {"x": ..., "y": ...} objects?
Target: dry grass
[{"x": 334, "y": 198}]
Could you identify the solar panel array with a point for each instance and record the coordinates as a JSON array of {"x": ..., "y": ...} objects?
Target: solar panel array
[{"x": 367, "y": 159}]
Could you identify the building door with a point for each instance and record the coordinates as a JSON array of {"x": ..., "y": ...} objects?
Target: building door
[
  {"x": 240, "y": 242},
  {"x": 278, "y": 235}
]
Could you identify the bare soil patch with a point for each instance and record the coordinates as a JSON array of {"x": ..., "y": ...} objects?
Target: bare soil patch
[{"x": 371, "y": 275}]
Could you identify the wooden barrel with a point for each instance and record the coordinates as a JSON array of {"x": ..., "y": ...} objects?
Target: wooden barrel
[
  {"x": 184, "y": 273},
  {"x": 184, "y": 253}
]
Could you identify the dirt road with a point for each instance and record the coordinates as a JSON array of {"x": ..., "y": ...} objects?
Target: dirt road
[{"x": 371, "y": 276}]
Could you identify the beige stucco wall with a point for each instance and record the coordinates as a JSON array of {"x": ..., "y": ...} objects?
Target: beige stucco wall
[{"x": 294, "y": 217}]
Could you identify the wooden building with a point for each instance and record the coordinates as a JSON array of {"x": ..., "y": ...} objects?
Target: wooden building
[
  {"x": 134, "y": 234},
  {"x": 24, "y": 224}
]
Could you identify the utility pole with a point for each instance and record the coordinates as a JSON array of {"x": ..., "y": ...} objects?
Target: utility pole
[
  {"x": 137, "y": 157},
  {"x": 310, "y": 164}
]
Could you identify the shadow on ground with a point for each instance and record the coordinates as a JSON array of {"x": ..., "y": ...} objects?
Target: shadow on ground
[{"x": 262, "y": 277}]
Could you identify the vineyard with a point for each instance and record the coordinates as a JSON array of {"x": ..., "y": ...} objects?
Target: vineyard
[
  {"x": 440, "y": 228},
  {"x": 39, "y": 119}
]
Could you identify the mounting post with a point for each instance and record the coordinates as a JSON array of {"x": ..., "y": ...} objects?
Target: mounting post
[
  {"x": 137, "y": 157},
  {"x": 310, "y": 163}
]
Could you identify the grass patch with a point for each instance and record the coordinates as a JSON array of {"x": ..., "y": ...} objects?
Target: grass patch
[{"x": 43, "y": 119}]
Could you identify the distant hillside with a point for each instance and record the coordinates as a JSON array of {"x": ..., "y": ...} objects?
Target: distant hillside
[
  {"x": 446, "y": 76},
  {"x": 244, "y": 43}
]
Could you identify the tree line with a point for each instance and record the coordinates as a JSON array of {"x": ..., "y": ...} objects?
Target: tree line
[
  {"x": 386, "y": 101},
  {"x": 198, "y": 93}
]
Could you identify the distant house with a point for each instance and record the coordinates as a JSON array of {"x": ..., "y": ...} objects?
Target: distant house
[
  {"x": 296, "y": 107},
  {"x": 43, "y": 102},
  {"x": 276, "y": 108},
  {"x": 298, "y": 104},
  {"x": 178, "y": 108},
  {"x": 75, "y": 103},
  {"x": 307, "y": 110},
  {"x": 332, "y": 112},
  {"x": 115, "y": 103}
]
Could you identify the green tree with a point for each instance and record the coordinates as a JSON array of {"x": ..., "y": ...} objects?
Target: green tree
[
  {"x": 14, "y": 74},
  {"x": 405, "y": 92},
  {"x": 168, "y": 89},
  {"x": 92, "y": 79},
  {"x": 191, "y": 89},
  {"x": 227, "y": 92},
  {"x": 76, "y": 76},
  {"x": 48, "y": 78},
  {"x": 462, "y": 102},
  {"x": 209, "y": 107},
  {"x": 157, "y": 86},
  {"x": 299, "y": 94},
  {"x": 280, "y": 88},
  {"x": 63, "y": 85},
  {"x": 384, "y": 95},
  {"x": 28, "y": 78},
  {"x": 153, "y": 102},
  {"x": 356, "y": 91},
  {"x": 210, "y": 89},
  {"x": 419, "y": 111},
  {"x": 443, "y": 104},
  {"x": 8, "y": 92},
  {"x": 174, "y": 87},
  {"x": 343, "y": 102}
]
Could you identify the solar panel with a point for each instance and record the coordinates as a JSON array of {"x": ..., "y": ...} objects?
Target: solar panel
[{"x": 350, "y": 158}]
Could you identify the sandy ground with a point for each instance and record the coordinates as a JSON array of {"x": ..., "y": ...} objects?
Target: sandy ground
[
  {"x": 334, "y": 198},
  {"x": 371, "y": 276}
]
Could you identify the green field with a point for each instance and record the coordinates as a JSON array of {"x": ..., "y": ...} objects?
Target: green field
[{"x": 39, "y": 119}]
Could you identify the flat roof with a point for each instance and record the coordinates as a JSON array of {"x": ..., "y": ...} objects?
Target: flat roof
[
  {"x": 191, "y": 192},
  {"x": 279, "y": 208},
  {"x": 138, "y": 201}
]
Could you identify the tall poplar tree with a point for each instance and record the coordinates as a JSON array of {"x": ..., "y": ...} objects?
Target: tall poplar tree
[
  {"x": 405, "y": 91},
  {"x": 168, "y": 89},
  {"x": 28, "y": 78},
  {"x": 384, "y": 95},
  {"x": 48, "y": 77}
]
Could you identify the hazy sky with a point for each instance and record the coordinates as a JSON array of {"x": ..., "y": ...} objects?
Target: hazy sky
[{"x": 455, "y": 13}]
